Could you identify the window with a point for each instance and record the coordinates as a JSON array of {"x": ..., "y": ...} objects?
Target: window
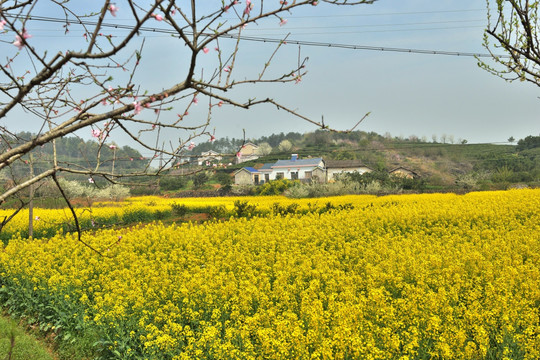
[
  {"x": 309, "y": 174},
  {"x": 256, "y": 179},
  {"x": 294, "y": 175},
  {"x": 279, "y": 175},
  {"x": 267, "y": 177}
]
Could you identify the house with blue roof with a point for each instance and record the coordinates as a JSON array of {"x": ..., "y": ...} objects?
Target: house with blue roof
[
  {"x": 299, "y": 169},
  {"x": 247, "y": 176},
  {"x": 292, "y": 169}
]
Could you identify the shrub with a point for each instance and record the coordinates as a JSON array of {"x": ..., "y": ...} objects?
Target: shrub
[
  {"x": 243, "y": 209},
  {"x": 179, "y": 209},
  {"x": 274, "y": 187},
  {"x": 217, "y": 212}
]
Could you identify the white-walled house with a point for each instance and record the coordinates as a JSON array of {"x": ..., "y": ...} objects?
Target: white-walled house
[
  {"x": 291, "y": 169},
  {"x": 210, "y": 156},
  {"x": 299, "y": 169},
  {"x": 335, "y": 167}
]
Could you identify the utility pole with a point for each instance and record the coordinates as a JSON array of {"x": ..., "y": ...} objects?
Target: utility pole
[{"x": 31, "y": 202}]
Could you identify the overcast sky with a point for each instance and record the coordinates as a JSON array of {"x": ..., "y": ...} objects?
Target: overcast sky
[{"x": 406, "y": 93}]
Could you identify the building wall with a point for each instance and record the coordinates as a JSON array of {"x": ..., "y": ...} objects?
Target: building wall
[
  {"x": 248, "y": 149},
  {"x": 243, "y": 177},
  {"x": 330, "y": 173},
  {"x": 319, "y": 175}
]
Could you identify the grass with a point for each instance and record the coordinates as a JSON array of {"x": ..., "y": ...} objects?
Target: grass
[{"x": 15, "y": 344}]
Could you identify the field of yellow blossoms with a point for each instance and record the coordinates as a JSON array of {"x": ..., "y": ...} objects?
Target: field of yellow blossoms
[{"x": 439, "y": 276}]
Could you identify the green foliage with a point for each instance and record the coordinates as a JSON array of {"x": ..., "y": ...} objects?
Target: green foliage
[
  {"x": 171, "y": 182},
  {"x": 529, "y": 142},
  {"x": 277, "y": 208},
  {"x": 243, "y": 209},
  {"x": 217, "y": 212},
  {"x": 16, "y": 345},
  {"x": 275, "y": 187},
  {"x": 225, "y": 180},
  {"x": 179, "y": 209},
  {"x": 199, "y": 179}
]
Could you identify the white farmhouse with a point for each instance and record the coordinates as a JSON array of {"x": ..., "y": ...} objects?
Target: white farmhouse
[{"x": 299, "y": 169}]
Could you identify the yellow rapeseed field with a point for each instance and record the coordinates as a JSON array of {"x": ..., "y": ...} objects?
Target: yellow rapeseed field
[{"x": 439, "y": 276}]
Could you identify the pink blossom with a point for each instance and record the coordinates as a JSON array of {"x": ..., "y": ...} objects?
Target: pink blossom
[
  {"x": 104, "y": 102},
  {"x": 2, "y": 23},
  {"x": 37, "y": 218},
  {"x": 282, "y": 22},
  {"x": 205, "y": 50},
  {"x": 248, "y": 8},
  {"x": 315, "y": 3},
  {"x": 96, "y": 133},
  {"x": 110, "y": 88},
  {"x": 195, "y": 100},
  {"x": 137, "y": 108},
  {"x": 282, "y": 2},
  {"x": 113, "y": 9},
  {"x": 191, "y": 145},
  {"x": 19, "y": 42},
  {"x": 173, "y": 11},
  {"x": 112, "y": 146},
  {"x": 216, "y": 48},
  {"x": 157, "y": 17},
  {"x": 227, "y": 68},
  {"x": 90, "y": 180},
  {"x": 239, "y": 154},
  {"x": 220, "y": 104},
  {"x": 212, "y": 138}
]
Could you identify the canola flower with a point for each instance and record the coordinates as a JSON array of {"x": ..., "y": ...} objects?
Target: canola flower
[
  {"x": 49, "y": 222},
  {"x": 438, "y": 276}
]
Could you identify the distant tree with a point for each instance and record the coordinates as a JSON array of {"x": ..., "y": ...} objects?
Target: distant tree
[
  {"x": 443, "y": 138},
  {"x": 434, "y": 138},
  {"x": 529, "y": 142},
  {"x": 199, "y": 179},
  {"x": 264, "y": 149},
  {"x": 463, "y": 141},
  {"x": 511, "y": 139},
  {"x": 285, "y": 146}
]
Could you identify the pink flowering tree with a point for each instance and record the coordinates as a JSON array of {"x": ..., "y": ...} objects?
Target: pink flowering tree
[{"x": 97, "y": 77}]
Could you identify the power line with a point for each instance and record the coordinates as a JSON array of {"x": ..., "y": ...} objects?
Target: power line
[
  {"x": 273, "y": 40},
  {"x": 388, "y": 13}
]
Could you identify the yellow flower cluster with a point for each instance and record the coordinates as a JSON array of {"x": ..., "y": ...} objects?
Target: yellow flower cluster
[
  {"x": 48, "y": 222},
  {"x": 439, "y": 276}
]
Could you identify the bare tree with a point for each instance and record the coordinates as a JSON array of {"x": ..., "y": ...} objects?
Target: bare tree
[
  {"x": 514, "y": 28},
  {"x": 99, "y": 86}
]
